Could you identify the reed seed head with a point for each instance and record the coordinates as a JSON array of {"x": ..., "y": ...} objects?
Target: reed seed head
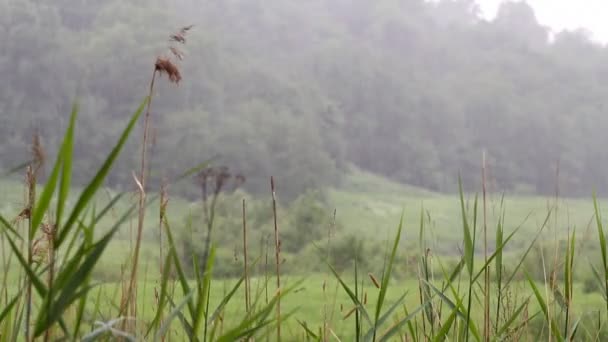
[
  {"x": 37, "y": 152},
  {"x": 164, "y": 65}
]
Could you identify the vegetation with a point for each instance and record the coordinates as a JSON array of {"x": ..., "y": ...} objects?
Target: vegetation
[
  {"x": 231, "y": 253},
  {"x": 49, "y": 289},
  {"x": 411, "y": 90}
]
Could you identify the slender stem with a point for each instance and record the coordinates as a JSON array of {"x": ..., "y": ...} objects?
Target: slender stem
[
  {"x": 568, "y": 287},
  {"x": 247, "y": 299},
  {"x": 553, "y": 278},
  {"x": 277, "y": 245},
  {"x": 266, "y": 242},
  {"x": 325, "y": 282},
  {"x": 51, "y": 274},
  {"x": 163, "y": 206},
  {"x": 132, "y": 290},
  {"x": 5, "y": 266},
  {"x": 486, "y": 316},
  {"x": 31, "y": 183},
  {"x": 163, "y": 199}
]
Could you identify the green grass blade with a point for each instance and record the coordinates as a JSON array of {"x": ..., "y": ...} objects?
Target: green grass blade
[
  {"x": 462, "y": 313},
  {"x": 71, "y": 283},
  {"x": 351, "y": 295},
  {"x": 45, "y": 198},
  {"x": 574, "y": 329},
  {"x": 66, "y": 171},
  {"x": 178, "y": 264},
  {"x": 49, "y": 189},
  {"x": 9, "y": 227},
  {"x": 600, "y": 232},
  {"x": 38, "y": 284},
  {"x": 599, "y": 279},
  {"x": 174, "y": 313},
  {"x": 204, "y": 286},
  {"x": 385, "y": 316},
  {"x": 497, "y": 253},
  {"x": 9, "y": 306},
  {"x": 459, "y": 307},
  {"x": 226, "y": 299},
  {"x": 455, "y": 272},
  {"x": 544, "y": 308},
  {"x": 386, "y": 276},
  {"x": 97, "y": 181},
  {"x": 162, "y": 298},
  {"x": 445, "y": 329},
  {"x": 511, "y": 320},
  {"x": 309, "y": 333},
  {"x": 182, "y": 319},
  {"x": 397, "y": 326},
  {"x": 111, "y": 204},
  {"x": 259, "y": 319},
  {"x": 468, "y": 237},
  {"x": 530, "y": 246},
  {"x": 602, "y": 242}
]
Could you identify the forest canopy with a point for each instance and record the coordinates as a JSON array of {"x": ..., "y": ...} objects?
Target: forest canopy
[{"x": 408, "y": 89}]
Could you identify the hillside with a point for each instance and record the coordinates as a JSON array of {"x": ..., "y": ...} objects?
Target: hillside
[{"x": 411, "y": 90}]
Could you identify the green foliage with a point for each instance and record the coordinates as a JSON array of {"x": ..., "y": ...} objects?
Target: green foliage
[
  {"x": 188, "y": 303},
  {"x": 307, "y": 118},
  {"x": 411, "y": 90},
  {"x": 304, "y": 223}
]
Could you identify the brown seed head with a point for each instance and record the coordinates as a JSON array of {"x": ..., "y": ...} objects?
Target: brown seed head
[
  {"x": 37, "y": 152},
  {"x": 164, "y": 65}
]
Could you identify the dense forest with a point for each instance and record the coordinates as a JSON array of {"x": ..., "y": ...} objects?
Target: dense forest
[{"x": 408, "y": 89}]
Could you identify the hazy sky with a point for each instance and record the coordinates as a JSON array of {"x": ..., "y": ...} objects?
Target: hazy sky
[{"x": 564, "y": 14}]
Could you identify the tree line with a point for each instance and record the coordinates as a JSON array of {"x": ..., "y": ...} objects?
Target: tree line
[{"x": 408, "y": 89}]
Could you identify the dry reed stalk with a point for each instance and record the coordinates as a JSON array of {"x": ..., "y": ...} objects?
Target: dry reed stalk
[
  {"x": 49, "y": 231},
  {"x": 277, "y": 246},
  {"x": 141, "y": 182},
  {"x": 266, "y": 248},
  {"x": 30, "y": 180},
  {"x": 421, "y": 299},
  {"x": 161, "y": 65},
  {"x": 164, "y": 201},
  {"x": 31, "y": 177},
  {"x": 486, "y": 303},
  {"x": 246, "y": 270},
  {"x": 325, "y": 281}
]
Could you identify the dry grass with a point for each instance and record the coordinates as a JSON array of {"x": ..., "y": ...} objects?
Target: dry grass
[
  {"x": 277, "y": 248},
  {"x": 162, "y": 65}
]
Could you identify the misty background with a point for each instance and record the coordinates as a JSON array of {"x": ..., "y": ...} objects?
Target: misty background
[{"x": 309, "y": 91}]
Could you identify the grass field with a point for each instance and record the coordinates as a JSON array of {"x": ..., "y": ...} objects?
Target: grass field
[
  {"x": 368, "y": 206},
  {"x": 310, "y": 303},
  {"x": 541, "y": 271}
]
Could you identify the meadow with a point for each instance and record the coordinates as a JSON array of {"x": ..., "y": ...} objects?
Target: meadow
[
  {"x": 540, "y": 281},
  {"x": 366, "y": 260}
]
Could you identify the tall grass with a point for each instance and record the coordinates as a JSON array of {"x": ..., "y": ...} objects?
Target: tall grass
[{"x": 56, "y": 298}]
